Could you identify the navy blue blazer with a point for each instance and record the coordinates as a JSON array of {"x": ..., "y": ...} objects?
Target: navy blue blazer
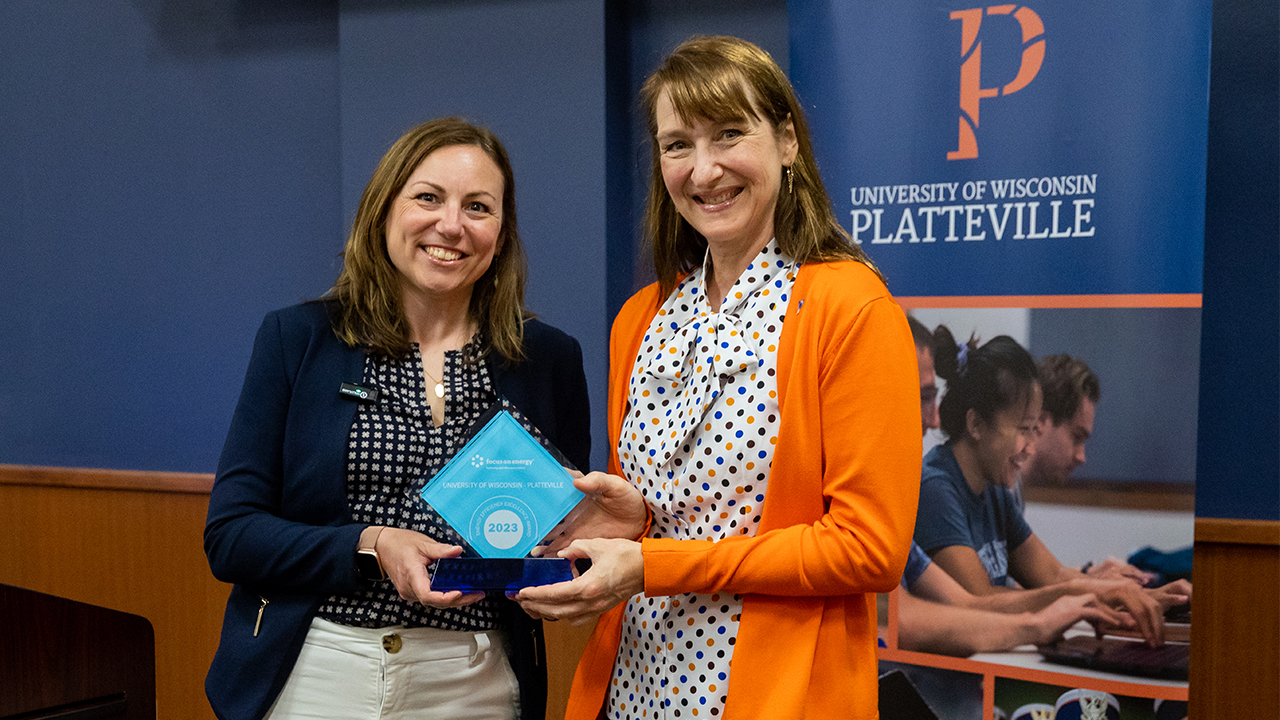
[{"x": 279, "y": 525}]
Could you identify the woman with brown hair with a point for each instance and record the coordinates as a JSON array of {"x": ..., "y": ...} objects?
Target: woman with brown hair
[
  {"x": 349, "y": 405},
  {"x": 763, "y": 399}
]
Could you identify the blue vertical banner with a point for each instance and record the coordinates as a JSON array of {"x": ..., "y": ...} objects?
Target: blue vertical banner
[
  {"x": 1044, "y": 149},
  {"x": 1036, "y": 171}
]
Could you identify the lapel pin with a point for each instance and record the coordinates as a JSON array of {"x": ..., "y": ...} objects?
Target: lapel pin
[{"x": 359, "y": 393}]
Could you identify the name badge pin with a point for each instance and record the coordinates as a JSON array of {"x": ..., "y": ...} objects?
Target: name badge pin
[{"x": 359, "y": 393}]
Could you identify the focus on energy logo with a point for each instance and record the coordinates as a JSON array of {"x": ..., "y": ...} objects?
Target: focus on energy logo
[
  {"x": 971, "y": 91},
  {"x": 488, "y": 463}
]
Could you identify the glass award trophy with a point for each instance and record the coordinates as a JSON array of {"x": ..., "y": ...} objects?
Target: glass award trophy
[{"x": 502, "y": 492}]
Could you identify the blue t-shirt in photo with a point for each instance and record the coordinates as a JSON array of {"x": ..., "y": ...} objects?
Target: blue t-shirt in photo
[
  {"x": 950, "y": 513},
  {"x": 917, "y": 562}
]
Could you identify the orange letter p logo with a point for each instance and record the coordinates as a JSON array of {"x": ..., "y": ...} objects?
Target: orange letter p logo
[{"x": 971, "y": 90}]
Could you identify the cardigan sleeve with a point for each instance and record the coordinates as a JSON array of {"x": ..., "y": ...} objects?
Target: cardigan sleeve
[
  {"x": 847, "y": 464},
  {"x": 249, "y": 538}
]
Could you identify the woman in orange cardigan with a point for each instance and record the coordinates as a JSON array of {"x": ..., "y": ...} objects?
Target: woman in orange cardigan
[{"x": 763, "y": 399}]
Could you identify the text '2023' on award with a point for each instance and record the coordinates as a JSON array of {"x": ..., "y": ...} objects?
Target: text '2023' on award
[{"x": 502, "y": 492}]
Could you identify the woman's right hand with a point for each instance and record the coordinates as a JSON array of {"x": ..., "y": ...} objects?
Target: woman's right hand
[
  {"x": 616, "y": 574},
  {"x": 612, "y": 508},
  {"x": 405, "y": 557}
]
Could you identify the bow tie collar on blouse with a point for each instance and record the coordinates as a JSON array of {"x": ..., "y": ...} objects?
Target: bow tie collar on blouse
[{"x": 699, "y": 350}]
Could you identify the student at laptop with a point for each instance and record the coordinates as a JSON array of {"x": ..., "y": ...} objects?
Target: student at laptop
[
  {"x": 936, "y": 614},
  {"x": 1071, "y": 392},
  {"x": 968, "y": 521}
]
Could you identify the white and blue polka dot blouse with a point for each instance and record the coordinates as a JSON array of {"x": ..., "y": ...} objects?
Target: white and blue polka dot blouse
[{"x": 698, "y": 440}]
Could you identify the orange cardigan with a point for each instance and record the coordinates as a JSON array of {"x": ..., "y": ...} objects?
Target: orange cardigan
[{"x": 838, "y": 515}]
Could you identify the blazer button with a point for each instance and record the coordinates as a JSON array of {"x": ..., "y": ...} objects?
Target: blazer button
[{"x": 391, "y": 643}]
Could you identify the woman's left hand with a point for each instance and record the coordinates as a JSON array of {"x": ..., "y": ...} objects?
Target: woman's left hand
[
  {"x": 616, "y": 574},
  {"x": 612, "y": 508}
]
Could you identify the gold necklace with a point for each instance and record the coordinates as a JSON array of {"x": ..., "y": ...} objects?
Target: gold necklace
[
  {"x": 439, "y": 385},
  {"x": 439, "y": 388}
]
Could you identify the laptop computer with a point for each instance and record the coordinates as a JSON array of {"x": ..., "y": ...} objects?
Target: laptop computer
[{"x": 1171, "y": 661}]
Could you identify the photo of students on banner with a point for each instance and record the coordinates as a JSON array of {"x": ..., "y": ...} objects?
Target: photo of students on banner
[{"x": 980, "y": 580}]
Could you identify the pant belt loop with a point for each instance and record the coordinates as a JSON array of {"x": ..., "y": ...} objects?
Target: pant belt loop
[{"x": 480, "y": 646}]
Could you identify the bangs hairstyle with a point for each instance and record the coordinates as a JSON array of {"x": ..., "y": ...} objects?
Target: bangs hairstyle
[
  {"x": 726, "y": 79},
  {"x": 369, "y": 312},
  {"x": 996, "y": 376}
]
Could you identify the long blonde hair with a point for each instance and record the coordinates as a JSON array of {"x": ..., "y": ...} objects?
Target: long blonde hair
[
  {"x": 369, "y": 312},
  {"x": 717, "y": 78}
]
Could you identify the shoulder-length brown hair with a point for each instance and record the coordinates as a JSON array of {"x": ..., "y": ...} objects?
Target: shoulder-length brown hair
[
  {"x": 369, "y": 310},
  {"x": 726, "y": 79}
]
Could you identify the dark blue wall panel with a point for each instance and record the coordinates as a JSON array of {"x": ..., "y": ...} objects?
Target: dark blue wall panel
[
  {"x": 1238, "y": 457},
  {"x": 167, "y": 173}
]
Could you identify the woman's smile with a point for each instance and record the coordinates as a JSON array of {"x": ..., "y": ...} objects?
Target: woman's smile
[
  {"x": 717, "y": 201},
  {"x": 442, "y": 254}
]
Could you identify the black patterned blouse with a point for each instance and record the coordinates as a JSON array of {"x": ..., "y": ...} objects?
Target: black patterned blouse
[{"x": 392, "y": 450}]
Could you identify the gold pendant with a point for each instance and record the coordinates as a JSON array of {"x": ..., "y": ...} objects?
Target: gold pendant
[{"x": 439, "y": 390}]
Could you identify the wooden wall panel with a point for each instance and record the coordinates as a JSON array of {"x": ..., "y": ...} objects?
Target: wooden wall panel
[
  {"x": 1235, "y": 628},
  {"x": 125, "y": 541},
  {"x": 565, "y": 643},
  {"x": 133, "y": 541}
]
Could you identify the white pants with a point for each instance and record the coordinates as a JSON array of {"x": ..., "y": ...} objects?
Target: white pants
[{"x": 388, "y": 673}]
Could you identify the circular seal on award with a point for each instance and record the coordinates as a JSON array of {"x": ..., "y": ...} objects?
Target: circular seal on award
[{"x": 502, "y": 522}]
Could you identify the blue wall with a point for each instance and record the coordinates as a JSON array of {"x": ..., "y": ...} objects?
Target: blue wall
[
  {"x": 1238, "y": 453},
  {"x": 166, "y": 176},
  {"x": 169, "y": 174}
]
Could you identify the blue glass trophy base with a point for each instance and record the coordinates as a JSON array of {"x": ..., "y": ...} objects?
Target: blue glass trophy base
[{"x": 497, "y": 574}]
